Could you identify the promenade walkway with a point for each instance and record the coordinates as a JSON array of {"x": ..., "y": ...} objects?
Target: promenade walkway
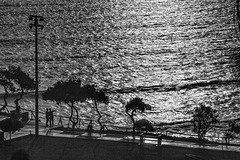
[{"x": 29, "y": 128}]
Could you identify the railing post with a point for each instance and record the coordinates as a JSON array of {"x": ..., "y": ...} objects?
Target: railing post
[
  {"x": 127, "y": 134},
  {"x": 159, "y": 140},
  {"x": 141, "y": 140},
  {"x": 68, "y": 123},
  {"x": 79, "y": 122},
  {"x": 60, "y": 121}
]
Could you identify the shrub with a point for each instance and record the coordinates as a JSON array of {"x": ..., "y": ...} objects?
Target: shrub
[
  {"x": 10, "y": 125},
  {"x": 203, "y": 118},
  {"x": 134, "y": 105}
]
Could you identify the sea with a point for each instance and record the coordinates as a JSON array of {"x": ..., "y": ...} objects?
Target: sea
[{"x": 122, "y": 44}]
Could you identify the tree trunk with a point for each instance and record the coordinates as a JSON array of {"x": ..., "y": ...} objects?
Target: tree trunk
[
  {"x": 71, "y": 115},
  {"x": 132, "y": 118},
  {"x": 201, "y": 136},
  {"x": 74, "y": 122},
  {"x": 5, "y": 99},
  {"x": 100, "y": 116},
  {"x": 71, "y": 118},
  {"x": 18, "y": 99}
]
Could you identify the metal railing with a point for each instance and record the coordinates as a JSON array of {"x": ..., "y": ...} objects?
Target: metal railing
[{"x": 83, "y": 122}]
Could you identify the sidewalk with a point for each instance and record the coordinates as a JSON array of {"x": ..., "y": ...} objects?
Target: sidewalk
[{"x": 29, "y": 128}]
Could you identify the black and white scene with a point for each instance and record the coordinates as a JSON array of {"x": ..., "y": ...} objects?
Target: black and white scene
[{"x": 119, "y": 79}]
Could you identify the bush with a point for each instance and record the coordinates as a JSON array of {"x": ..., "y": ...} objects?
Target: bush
[
  {"x": 203, "y": 118},
  {"x": 10, "y": 125}
]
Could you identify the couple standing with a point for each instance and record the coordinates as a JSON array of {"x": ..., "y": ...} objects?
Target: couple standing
[{"x": 49, "y": 117}]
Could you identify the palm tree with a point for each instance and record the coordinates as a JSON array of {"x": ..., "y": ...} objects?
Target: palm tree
[{"x": 132, "y": 106}]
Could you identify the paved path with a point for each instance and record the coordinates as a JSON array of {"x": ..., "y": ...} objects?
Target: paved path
[{"x": 29, "y": 128}]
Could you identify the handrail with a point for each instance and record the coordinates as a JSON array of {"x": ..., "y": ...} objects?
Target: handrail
[{"x": 111, "y": 126}]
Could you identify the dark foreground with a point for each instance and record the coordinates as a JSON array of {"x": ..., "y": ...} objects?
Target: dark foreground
[{"x": 58, "y": 148}]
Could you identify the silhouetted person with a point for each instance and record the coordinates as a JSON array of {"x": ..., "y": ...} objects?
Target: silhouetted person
[
  {"x": 51, "y": 117},
  {"x": 20, "y": 155},
  {"x": 47, "y": 114},
  {"x": 90, "y": 127},
  {"x": 60, "y": 121}
]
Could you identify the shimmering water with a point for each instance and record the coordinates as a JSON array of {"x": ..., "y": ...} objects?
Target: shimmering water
[{"x": 127, "y": 43}]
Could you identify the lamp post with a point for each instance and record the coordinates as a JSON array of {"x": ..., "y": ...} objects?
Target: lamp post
[{"x": 35, "y": 24}]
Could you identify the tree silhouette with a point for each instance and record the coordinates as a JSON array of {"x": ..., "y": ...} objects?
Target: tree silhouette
[
  {"x": 133, "y": 105},
  {"x": 10, "y": 125},
  {"x": 203, "y": 118},
  {"x": 144, "y": 125},
  {"x": 102, "y": 98},
  {"x": 14, "y": 79},
  {"x": 68, "y": 92},
  {"x": 91, "y": 93},
  {"x": 234, "y": 127},
  {"x": 6, "y": 82},
  {"x": 235, "y": 65},
  {"x": 23, "y": 81},
  {"x": 235, "y": 57}
]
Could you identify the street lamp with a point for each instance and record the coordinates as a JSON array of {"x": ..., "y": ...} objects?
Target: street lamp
[{"x": 35, "y": 24}]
